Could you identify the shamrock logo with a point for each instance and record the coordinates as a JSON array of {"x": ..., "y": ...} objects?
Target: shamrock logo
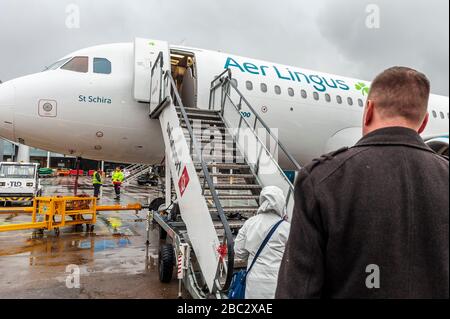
[{"x": 362, "y": 87}]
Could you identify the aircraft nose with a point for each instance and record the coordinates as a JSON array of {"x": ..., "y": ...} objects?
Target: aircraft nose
[{"x": 7, "y": 103}]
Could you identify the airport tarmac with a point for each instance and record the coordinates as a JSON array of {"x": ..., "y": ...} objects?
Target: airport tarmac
[{"x": 113, "y": 261}]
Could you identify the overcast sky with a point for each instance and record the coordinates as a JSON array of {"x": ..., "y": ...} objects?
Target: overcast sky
[{"x": 324, "y": 35}]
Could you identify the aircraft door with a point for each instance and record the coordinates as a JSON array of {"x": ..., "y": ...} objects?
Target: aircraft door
[{"x": 146, "y": 53}]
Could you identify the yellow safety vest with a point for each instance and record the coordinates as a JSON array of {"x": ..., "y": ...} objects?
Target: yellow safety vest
[
  {"x": 118, "y": 177},
  {"x": 96, "y": 178}
]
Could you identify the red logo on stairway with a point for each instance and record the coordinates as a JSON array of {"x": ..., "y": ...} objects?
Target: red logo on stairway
[{"x": 184, "y": 181}]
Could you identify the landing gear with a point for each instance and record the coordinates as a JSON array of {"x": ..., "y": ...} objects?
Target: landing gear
[{"x": 166, "y": 263}]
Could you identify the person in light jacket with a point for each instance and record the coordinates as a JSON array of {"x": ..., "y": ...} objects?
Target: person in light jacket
[{"x": 262, "y": 279}]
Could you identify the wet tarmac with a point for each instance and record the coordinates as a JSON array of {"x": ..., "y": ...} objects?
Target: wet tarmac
[{"x": 113, "y": 261}]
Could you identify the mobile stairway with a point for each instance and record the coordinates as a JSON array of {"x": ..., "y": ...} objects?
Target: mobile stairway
[
  {"x": 133, "y": 172},
  {"x": 216, "y": 165}
]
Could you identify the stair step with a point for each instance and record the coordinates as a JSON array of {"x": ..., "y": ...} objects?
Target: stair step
[
  {"x": 204, "y": 122},
  {"x": 234, "y": 197},
  {"x": 226, "y": 158},
  {"x": 217, "y": 147},
  {"x": 201, "y": 117},
  {"x": 236, "y": 210},
  {"x": 227, "y": 144},
  {"x": 196, "y": 110},
  {"x": 234, "y": 224},
  {"x": 208, "y": 134},
  {"x": 202, "y": 127},
  {"x": 224, "y": 166},
  {"x": 221, "y": 175},
  {"x": 223, "y": 186}
]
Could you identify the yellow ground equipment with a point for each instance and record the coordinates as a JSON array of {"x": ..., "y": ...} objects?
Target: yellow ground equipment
[{"x": 51, "y": 213}]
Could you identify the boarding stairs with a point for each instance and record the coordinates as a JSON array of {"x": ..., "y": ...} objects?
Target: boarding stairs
[
  {"x": 133, "y": 172},
  {"x": 218, "y": 165}
]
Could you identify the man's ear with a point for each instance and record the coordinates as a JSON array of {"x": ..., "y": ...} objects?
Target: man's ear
[
  {"x": 368, "y": 115},
  {"x": 424, "y": 123}
]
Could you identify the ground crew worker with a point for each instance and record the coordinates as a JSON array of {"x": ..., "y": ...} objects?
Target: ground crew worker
[
  {"x": 372, "y": 221},
  {"x": 261, "y": 280},
  {"x": 97, "y": 182},
  {"x": 117, "y": 179}
]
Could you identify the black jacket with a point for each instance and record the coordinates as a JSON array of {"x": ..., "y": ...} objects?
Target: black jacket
[{"x": 383, "y": 202}]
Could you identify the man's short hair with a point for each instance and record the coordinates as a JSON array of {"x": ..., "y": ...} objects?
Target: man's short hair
[{"x": 401, "y": 91}]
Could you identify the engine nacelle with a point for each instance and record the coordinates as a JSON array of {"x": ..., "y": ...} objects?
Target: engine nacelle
[{"x": 439, "y": 145}]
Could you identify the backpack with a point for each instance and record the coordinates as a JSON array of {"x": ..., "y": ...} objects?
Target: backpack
[{"x": 237, "y": 287}]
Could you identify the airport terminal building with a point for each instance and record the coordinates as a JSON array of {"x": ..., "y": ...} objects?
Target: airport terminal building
[{"x": 8, "y": 152}]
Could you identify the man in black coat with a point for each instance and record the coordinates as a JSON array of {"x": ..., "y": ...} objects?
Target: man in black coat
[{"x": 372, "y": 221}]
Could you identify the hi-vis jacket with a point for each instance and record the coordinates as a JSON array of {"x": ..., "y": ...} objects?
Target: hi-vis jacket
[
  {"x": 96, "y": 178},
  {"x": 117, "y": 177},
  {"x": 262, "y": 279}
]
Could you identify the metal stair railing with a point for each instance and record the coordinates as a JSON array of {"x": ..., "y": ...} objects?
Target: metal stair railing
[
  {"x": 168, "y": 94},
  {"x": 136, "y": 169},
  {"x": 224, "y": 84},
  {"x": 131, "y": 169},
  {"x": 137, "y": 173}
]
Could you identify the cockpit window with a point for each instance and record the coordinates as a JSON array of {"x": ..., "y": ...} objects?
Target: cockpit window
[
  {"x": 102, "y": 66},
  {"x": 56, "y": 65},
  {"x": 77, "y": 64}
]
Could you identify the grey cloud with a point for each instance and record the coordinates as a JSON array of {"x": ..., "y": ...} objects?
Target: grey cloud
[
  {"x": 411, "y": 33},
  {"x": 325, "y": 35}
]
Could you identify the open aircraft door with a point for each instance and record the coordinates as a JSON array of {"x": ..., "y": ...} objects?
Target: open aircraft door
[{"x": 146, "y": 55}]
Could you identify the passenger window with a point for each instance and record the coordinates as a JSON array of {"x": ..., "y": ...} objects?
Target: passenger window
[
  {"x": 235, "y": 82},
  {"x": 291, "y": 91},
  {"x": 77, "y": 64},
  {"x": 434, "y": 114},
  {"x": 442, "y": 115},
  {"x": 339, "y": 99},
  {"x": 264, "y": 87},
  {"x": 277, "y": 90},
  {"x": 327, "y": 97},
  {"x": 249, "y": 85},
  {"x": 316, "y": 96},
  {"x": 304, "y": 94},
  {"x": 102, "y": 66},
  {"x": 360, "y": 102},
  {"x": 350, "y": 101}
]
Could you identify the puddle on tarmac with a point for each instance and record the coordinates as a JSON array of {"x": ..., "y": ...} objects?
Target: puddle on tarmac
[{"x": 113, "y": 260}]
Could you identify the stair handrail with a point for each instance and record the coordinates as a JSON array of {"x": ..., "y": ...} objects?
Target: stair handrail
[
  {"x": 136, "y": 175},
  {"x": 159, "y": 62},
  {"x": 169, "y": 89},
  {"x": 226, "y": 77},
  {"x": 224, "y": 81}
]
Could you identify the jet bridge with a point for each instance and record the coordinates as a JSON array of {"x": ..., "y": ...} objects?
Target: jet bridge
[{"x": 216, "y": 166}]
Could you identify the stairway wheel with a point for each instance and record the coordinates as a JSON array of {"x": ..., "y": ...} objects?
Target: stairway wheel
[{"x": 166, "y": 263}]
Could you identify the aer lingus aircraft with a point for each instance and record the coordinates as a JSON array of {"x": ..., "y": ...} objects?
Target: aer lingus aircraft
[{"x": 92, "y": 102}]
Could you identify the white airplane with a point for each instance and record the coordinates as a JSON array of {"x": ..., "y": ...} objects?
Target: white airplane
[{"x": 90, "y": 103}]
